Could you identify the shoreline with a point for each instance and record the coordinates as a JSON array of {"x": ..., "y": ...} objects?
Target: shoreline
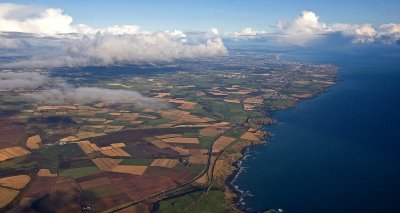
[{"x": 235, "y": 194}]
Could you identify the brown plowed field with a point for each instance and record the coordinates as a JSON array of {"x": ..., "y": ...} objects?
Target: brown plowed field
[
  {"x": 106, "y": 164},
  {"x": 168, "y": 163},
  {"x": 200, "y": 159},
  {"x": 12, "y": 152},
  {"x": 33, "y": 142},
  {"x": 15, "y": 182},
  {"x": 94, "y": 183},
  {"x": 134, "y": 170},
  {"x": 221, "y": 143},
  {"x": 181, "y": 140}
]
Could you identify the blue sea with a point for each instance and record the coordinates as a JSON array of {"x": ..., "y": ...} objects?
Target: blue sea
[{"x": 338, "y": 152}]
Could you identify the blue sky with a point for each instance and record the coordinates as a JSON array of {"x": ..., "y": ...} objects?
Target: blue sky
[{"x": 226, "y": 15}]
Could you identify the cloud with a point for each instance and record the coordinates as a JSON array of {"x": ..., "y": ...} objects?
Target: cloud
[
  {"x": 68, "y": 94},
  {"x": 29, "y": 19},
  {"x": 307, "y": 29},
  {"x": 80, "y": 45},
  {"x": 21, "y": 80},
  {"x": 246, "y": 33},
  {"x": 390, "y": 33},
  {"x": 47, "y": 90}
]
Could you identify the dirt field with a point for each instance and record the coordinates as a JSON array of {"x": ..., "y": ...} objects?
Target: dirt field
[
  {"x": 181, "y": 140},
  {"x": 186, "y": 105},
  {"x": 213, "y": 131},
  {"x": 6, "y": 196},
  {"x": 168, "y": 136},
  {"x": 106, "y": 164},
  {"x": 34, "y": 142},
  {"x": 155, "y": 179},
  {"x": 183, "y": 116},
  {"x": 87, "y": 147},
  {"x": 138, "y": 208},
  {"x": 237, "y": 101},
  {"x": 159, "y": 144},
  {"x": 132, "y": 136},
  {"x": 113, "y": 128},
  {"x": 134, "y": 170},
  {"x": 10, "y": 133},
  {"x": 45, "y": 173},
  {"x": 221, "y": 143},
  {"x": 168, "y": 163},
  {"x": 115, "y": 152},
  {"x": 181, "y": 150},
  {"x": 15, "y": 182},
  {"x": 200, "y": 159},
  {"x": 83, "y": 135},
  {"x": 198, "y": 151},
  {"x": 12, "y": 152},
  {"x": 118, "y": 145},
  {"x": 250, "y": 136},
  {"x": 162, "y": 94},
  {"x": 45, "y": 108},
  {"x": 94, "y": 183}
]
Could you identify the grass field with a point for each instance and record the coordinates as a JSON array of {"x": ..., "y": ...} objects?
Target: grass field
[
  {"x": 52, "y": 154},
  {"x": 174, "y": 204},
  {"x": 137, "y": 162},
  {"x": 214, "y": 201},
  {"x": 80, "y": 172}
]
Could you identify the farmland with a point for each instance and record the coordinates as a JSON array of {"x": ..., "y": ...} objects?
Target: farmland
[{"x": 176, "y": 152}]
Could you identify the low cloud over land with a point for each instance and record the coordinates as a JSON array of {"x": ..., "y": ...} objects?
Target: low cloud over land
[
  {"x": 64, "y": 93},
  {"x": 21, "y": 80}
]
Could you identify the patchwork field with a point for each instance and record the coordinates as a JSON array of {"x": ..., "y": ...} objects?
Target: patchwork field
[
  {"x": 134, "y": 170},
  {"x": 221, "y": 143},
  {"x": 114, "y": 152},
  {"x": 181, "y": 140},
  {"x": 34, "y": 142},
  {"x": 12, "y": 152},
  {"x": 6, "y": 196},
  {"x": 94, "y": 183},
  {"x": 168, "y": 163},
  {"x": 106, "y": 164},
  {"x": 15, "y": 182}
]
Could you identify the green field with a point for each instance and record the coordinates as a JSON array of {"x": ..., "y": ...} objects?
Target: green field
[
  {"x": 137, "y": 162},
  {"x": 80, "y": 172}
]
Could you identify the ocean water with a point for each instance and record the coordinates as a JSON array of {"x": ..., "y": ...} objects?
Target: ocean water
[{"x": 339, "y": 152}]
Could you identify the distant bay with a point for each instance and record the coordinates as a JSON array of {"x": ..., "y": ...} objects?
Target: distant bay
[{"x": 338, "y": 152}]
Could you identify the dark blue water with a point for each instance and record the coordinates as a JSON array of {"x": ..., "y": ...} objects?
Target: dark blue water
[{"x": 339, "y": 152}]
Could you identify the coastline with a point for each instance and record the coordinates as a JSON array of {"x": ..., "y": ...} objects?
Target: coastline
[
  {"x": 233, "y": 194},
  {"x": 237, "y": 194}
]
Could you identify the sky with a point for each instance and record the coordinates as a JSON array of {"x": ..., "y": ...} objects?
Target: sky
[
  {"x": 226, "y": 15},
  {"x": 48, "y": 33}
]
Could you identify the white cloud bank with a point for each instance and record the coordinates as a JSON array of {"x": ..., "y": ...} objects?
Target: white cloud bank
[
  {"x": 42, "y": 88},
  {"x": 80, "y": 45},
  {"x": 68, "y": 94},
  {"x": 21, "y": 80},
  {"x": 307, "y": 29}
]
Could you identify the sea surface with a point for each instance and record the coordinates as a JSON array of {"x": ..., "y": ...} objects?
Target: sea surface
[{"x": 338, "y": 152}]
